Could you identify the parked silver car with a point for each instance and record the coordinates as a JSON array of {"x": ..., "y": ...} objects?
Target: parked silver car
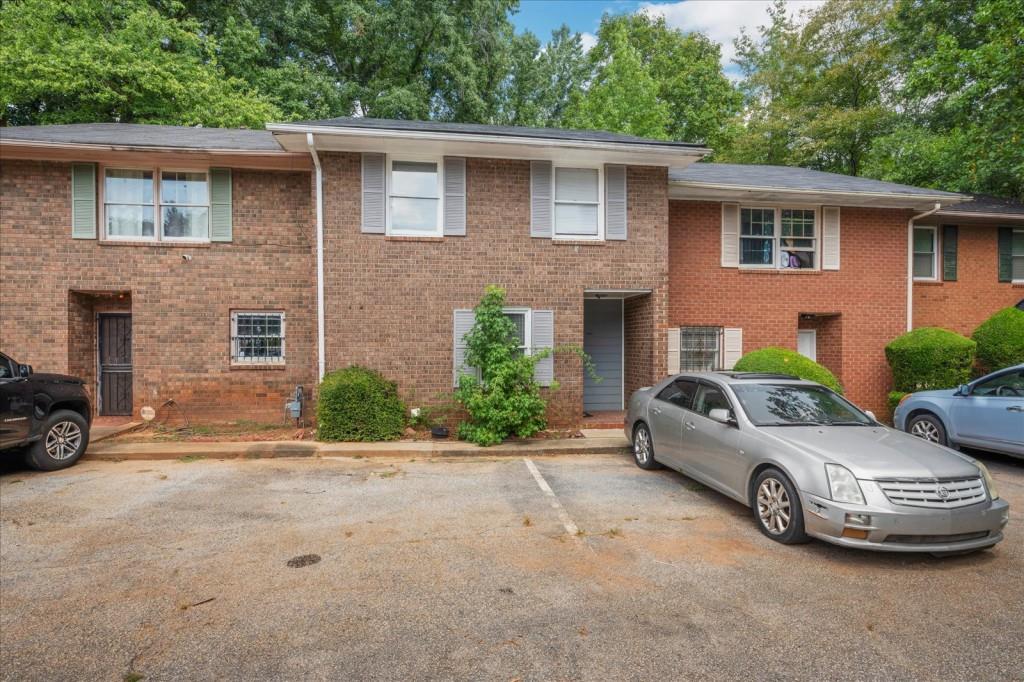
[{"x": 811, "y": 464}]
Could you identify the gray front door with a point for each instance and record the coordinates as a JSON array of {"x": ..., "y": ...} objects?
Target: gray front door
[{"x": 602, "y": 341}]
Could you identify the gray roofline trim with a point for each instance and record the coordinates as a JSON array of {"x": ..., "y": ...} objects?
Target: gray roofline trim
[
  {"x": 946, "y": 197},
  {"x": 439, "y": 136},
  {"x": 88, "y": 146},
  {"x": 980, "y": 214}
]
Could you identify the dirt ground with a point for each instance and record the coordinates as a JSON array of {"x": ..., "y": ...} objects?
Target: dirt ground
[{"x": 469, "y": 569}]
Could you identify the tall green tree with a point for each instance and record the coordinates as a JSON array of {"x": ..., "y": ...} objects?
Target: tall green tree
[
  {"x": 961, "y": 67},
  {"x": 640, "y": 62},
  {"x": 542, "y": 79},
  {"x": 91, "y": 60}
]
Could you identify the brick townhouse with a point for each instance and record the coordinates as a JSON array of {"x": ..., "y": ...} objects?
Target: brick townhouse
[{"x": 212, "y": 271}]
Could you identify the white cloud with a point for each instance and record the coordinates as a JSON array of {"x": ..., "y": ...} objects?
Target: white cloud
[
  {"x": 721, "y": 20},
  {"x": 588, "y": 40}
]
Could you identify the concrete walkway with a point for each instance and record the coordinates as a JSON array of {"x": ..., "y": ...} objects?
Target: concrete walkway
[{"x": 596, "y": 441}]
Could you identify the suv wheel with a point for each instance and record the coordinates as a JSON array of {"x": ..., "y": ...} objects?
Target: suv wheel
[
  {"x": 65, "y": 437},
  {"x": 928, "y": 427},
  {"x": 777, "y": 508}
]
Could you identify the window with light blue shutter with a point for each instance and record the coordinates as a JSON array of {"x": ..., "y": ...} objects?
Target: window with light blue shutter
[
  {"x": 220, "y": 205},
  {"x": 83, "y": 200}
]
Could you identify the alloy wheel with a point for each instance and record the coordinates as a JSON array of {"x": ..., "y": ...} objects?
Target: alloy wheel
[
  {"x": 642, "y": 446},
  {"x": 926, "y": 430},
  {"x": 773, "y": 506},
  {"x": 63, "y": 440}
]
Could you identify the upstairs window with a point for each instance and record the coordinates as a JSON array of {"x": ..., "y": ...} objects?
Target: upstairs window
[
  {"x": 415, "y": 198},
  {"x": 784, "y": 238},
  {"x": 577, "y": 203},
  {"x": 134, "y": 204},
  {"x": 925, "y": 253},
  {"x": 1017, "y": 256}
]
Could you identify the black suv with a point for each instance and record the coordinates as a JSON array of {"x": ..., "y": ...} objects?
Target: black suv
[{"x": 49, "y": 413}]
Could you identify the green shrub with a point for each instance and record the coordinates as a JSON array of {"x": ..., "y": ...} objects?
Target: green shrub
[
  {"x": 785, "y": 361},
  {"x": 1000, "y": 340},
  {"x": 358, "y": 404},
  {"x": 894, "y": 400},
  {"x": 930, "y": 358}
]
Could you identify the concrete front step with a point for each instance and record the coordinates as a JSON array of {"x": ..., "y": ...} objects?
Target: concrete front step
[{"x": 610, "y": 444}]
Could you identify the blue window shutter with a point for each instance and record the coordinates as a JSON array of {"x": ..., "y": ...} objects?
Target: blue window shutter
[
  {"x": 540, "y": 199},
  {"x": 374, "y": 193},
  {"x": 464, "y": 320},
  {"x": 454, "y": 196},
  {"x": 83, "y": 200},
  {"x": 220, "y": 205},
  {"x": 615, "y": 219},
  {"x": 543, "y": 338}
]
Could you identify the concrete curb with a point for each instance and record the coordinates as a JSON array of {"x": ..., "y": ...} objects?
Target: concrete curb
[{"x": 298, "y": 448}]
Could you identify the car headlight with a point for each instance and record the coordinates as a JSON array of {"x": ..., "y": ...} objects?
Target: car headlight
[
  {"x": 843, "y": 485},
  {"x": 989, "y": 481}
]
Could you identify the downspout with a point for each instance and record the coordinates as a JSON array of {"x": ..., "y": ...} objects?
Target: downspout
[
  {"x": 910, "y": 263},
  {"x": 321, "y": 357}
]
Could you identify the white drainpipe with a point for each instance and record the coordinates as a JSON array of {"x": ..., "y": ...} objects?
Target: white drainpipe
[
  {"x": 910, "y": 262},
  {"x": 321, "y": 357}
]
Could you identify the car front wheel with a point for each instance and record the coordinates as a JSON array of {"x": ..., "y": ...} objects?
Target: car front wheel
[
  {"x": 65, "y": 437},
  {"x": 777, "y": 508},
  {"x": 927, "y": 427},
  {"x": 643, "y": 448}
]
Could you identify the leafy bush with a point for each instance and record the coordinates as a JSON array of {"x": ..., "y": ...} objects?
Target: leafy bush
[
  {"x": 894, "y": 400},
  {"x": 358, "y": 404},
  {"x": 930, "y": 358},
  {"x": 785, "y": 361},
  {"x": 503, "y": 399},
  {"x": 1000, "y": 340}
]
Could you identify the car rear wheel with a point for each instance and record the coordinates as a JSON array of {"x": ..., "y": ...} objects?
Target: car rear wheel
[
  {"x": 65, "y": 437},
  {"x": 927, "y": 427},
  {"x": 643, "y": 448},
  {"x": 777, "y": 508}
]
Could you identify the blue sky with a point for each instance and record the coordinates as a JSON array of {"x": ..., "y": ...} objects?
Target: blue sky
[{"x": 720, "y": 20}]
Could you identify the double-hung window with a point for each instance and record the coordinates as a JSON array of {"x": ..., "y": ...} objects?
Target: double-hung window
[
  {"x": 520, "y": 317},
  {"x": 577, "y": 197},
  {"x": 1017, "y": 256},
  {"x": 784, "y": 238},
  {"x": 137, "y": 207},
  {"x": 700, "y": 349},
  {"x": 257, "y": 337},
  {"x": 925, "y": 253},
  {"x": 415, "y": 198}
]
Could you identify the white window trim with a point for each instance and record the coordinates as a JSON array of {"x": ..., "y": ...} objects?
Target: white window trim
[
  {"x": 418, "y": 158},
  {"x": 777, "y": 236},
  {"x": 1012, "y": 280},
  {"x": 259, "y": 362},
  {"x": 527, "y": 328},
  {"x": 158, "y": 223},
  {"x": 599, "y": 237},
  {"x": 935, "y": 253}
]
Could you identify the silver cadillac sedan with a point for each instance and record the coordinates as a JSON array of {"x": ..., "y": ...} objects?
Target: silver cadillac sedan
[{"x": 811, "y": 464}]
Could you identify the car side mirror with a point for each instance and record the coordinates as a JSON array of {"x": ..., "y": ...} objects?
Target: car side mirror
[
  {"x": 963, "y": 389},
  {"x": 25, "y": 370},
  {"x": 721, "y": 415},
  {"x": 871, "y": 414}
]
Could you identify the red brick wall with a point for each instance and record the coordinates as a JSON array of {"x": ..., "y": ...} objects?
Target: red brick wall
[
  {"x": 964, "y": 304},
  {"x": 390, "y": 301},
  {"x": 869, "y": 292},
  {"x": 180, "y": 309},
  {"x": 638, "y": 350}
]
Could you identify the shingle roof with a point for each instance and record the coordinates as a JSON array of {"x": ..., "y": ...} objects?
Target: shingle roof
[
  {"x": 986, "y": 203},
  {"x": 784, "y": 178},
  {"x": 143, "y": 135},
  {"x": 493, "y": 130}
]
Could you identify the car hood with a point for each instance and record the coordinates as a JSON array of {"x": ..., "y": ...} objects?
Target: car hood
[
  {"x": 55, "y": 378},
  {"x": 876, "y": 452}
]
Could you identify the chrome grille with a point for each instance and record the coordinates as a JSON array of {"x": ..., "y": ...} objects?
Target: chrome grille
[{"x": 934, "y": 493}]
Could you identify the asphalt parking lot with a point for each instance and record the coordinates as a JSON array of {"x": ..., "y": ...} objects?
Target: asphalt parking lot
[{"x": 469, "y": 569}]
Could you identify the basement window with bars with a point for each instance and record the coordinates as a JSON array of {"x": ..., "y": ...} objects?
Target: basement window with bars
[
  {"x": 257, "y": 338},
  {"x": 700, "y": 349}
]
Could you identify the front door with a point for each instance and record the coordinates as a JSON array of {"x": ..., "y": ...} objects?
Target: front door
[
  {"x": 115, "y": 371},
  {"x": 602, "y": 341},
  {"x": 807, "y": 343}
]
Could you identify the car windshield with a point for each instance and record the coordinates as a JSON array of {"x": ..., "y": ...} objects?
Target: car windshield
[{"x": 794, "y": 405}]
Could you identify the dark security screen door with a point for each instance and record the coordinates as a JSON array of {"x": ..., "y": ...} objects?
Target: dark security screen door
[{"x": 115, "y": 364}]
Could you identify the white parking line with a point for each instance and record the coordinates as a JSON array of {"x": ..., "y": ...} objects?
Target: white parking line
[{"x": 563, "y": 515}]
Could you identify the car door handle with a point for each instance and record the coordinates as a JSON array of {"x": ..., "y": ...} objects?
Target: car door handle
[
  {"x": 690, "y": 426},
  {"x": 1015, "y": 408},
  {"x": 655, "y": 410}
]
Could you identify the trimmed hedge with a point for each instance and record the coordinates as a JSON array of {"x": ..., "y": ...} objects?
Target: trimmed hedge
[
  {"x": 894, "y": 400},
  {"x": 1000, "y": 340},
  {"x": 358, "y": 404},
  {"x": 930, "y": 358},
  {"x": 785, "y": 361}
]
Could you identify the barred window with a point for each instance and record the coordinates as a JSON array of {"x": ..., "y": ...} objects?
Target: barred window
[
  {"x": 257, "y": 337},
  {"x": 700, "y": 349}
]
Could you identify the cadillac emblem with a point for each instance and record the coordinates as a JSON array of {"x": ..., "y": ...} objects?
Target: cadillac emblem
[{"x": 942, "y": 492}]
